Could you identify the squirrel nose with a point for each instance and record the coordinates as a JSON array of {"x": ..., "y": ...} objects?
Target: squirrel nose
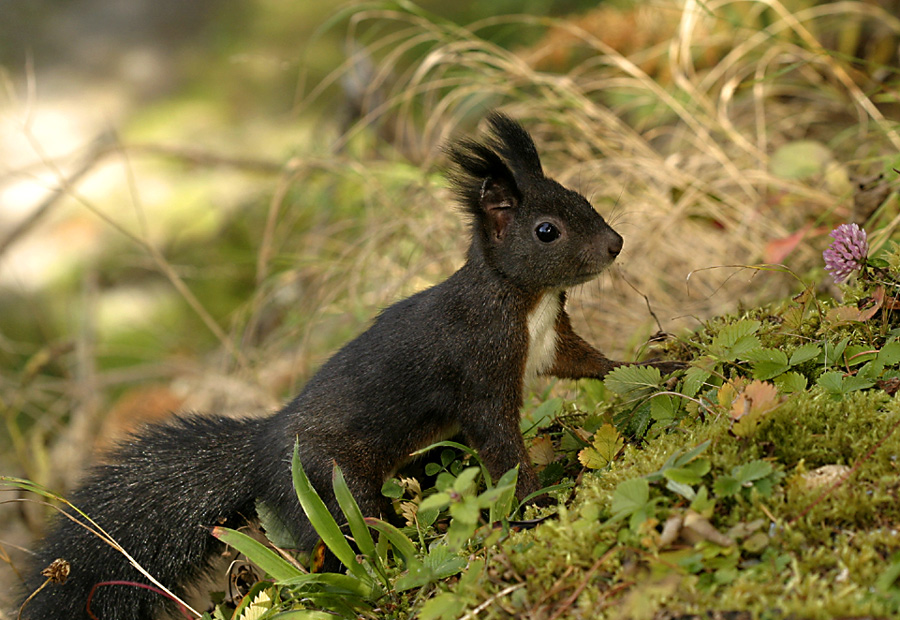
[{"x": 615, "y": 245}]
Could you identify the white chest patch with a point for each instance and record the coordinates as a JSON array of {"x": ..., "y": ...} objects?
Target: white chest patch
[{"x": 542, "y": 335}]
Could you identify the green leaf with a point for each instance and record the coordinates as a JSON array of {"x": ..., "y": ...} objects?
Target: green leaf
[
  {"x": 768, "y": 363},
  {"x": 834, "y": 354},
  {"x": 331, "y": 582},
  {"x": 606, "y": 445},
  {"x": 702, "y": 503},
  {"x": 402, "y": 545},
  {"x": 887, "y": 580},
  {"x": 543, "y": 416},
  {"x": 391, "y": 488},
  {"x": 831, "y": 382},
  {"x": 890, "y": 354},
  {"x": 634, "y": 422},
  {"x": 682, "y": 475},
  {"x": 633, "y": 381},
  {"x": 267, "y": 559},
  {"x": 440, "y": 563},
  {"x": 726, "y": 486},
  {"x": 735, "y": 340},
  {"x": 854, "y": 383},
  {"x": 470, "y": 451},
  {"x": 354, "y": 515},
  {"x": 444, "y": 606},
  {"x": 630, "y": 496},
  {"x": 504, "y": 495},
  {"x": 836, "y": 384},
  {"x": 679, "y": 459},
  {"x": 465, "y": 481},
  {"x": 305, "y": 614},
  {"x": 790, "y": 382},
  {"x": 278, "y": 531},
  {"x": 438, "y": 501},
  {"x": 664, "y": 408},
  {"x": 466, "y": 510},
  {"x": 685, "y": 490},
  {"x": 804, "y": 353},
  {"x": 694, "y": 379},
  {"x": 322, "y": 520},
  {"x": 858, "y": 354},
  {"x": 754, "y": 470}
]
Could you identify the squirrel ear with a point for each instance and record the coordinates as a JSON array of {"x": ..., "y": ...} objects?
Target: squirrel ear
[{"x": 497, "y": 201}]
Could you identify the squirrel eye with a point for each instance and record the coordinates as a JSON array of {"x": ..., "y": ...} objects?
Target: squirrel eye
[{"x": 546, "y": 232}]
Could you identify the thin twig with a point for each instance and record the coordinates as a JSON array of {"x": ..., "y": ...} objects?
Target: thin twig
[
  {"x": 99, "y": 148},
  {"x": 491, "y": 600},
  {"x": 206, "y": 158},
  {"x": 840, "y": 481},
  {"x": 581, "y": 586}
]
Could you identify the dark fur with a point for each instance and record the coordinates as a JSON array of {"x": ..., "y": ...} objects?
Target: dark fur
[{"x": 449, "y": 359}]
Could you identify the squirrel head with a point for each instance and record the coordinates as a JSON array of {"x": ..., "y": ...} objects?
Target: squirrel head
[{"x": 526, "y": 226}]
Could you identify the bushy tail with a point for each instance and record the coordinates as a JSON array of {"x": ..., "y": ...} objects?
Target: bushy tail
[{"x": 157, "y": 498}]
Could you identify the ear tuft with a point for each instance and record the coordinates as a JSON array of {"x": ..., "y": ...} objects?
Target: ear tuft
[
  {"x": 515, "y": 145},
  {"x": 505, "y": 161}
]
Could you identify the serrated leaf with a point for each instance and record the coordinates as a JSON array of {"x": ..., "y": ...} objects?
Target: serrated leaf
[
  {"x": 790, "y": 382},
  {"x": 702, "y": 503},
  {"x": 630, "y": 496},
  {"x": 858, "y": 354},
  {"x": 633, "y": 423},
  {"x": 541, "y": 451},
  {"x": 890, "y": 354},
  {"x": 694, "y": 379},
  {"x": 604, "y": 448},
  {"x": 726, "y": 486},
  {"x": 765, "y": 354},
  {"x": 763, "y": 371},
  {"x": 633, "y": 381},
  {"x": 664, "y": 408},
  {"x": 834, "y": 354},
  {"x": 751, "y": 405},
  {"x": 767, "y": 363},
  {"x": 836, "y": 384},
  {"x": 277, "y": 529},
  {"x": 871, "y": 370},
  {"x": 754, "y": 470},
  {"x": 736, "y": 340},
  {"x": 830, "y": 382},
  {"x": 853, "y": 383},
  {"x": 804, "y": 353}
]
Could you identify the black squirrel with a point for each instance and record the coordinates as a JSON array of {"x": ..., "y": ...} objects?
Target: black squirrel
[{"x": 450, "y": 359}]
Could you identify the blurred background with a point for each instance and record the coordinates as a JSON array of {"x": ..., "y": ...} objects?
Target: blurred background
[{"x": 200, "y": 201}]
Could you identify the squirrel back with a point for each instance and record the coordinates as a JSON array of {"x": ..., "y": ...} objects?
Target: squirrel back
[{"x": 451, "y": 359}]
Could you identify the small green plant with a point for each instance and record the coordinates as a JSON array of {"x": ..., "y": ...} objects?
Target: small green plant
[{"x": 383, "y": 570}]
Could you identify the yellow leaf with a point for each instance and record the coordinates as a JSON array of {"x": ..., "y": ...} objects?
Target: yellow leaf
[
  {"x": 541, "y": 451},
  {"x": 606, "y": 445},
  {"x": 751, "y": 405},
  {"x": 729, "y": 391}
]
